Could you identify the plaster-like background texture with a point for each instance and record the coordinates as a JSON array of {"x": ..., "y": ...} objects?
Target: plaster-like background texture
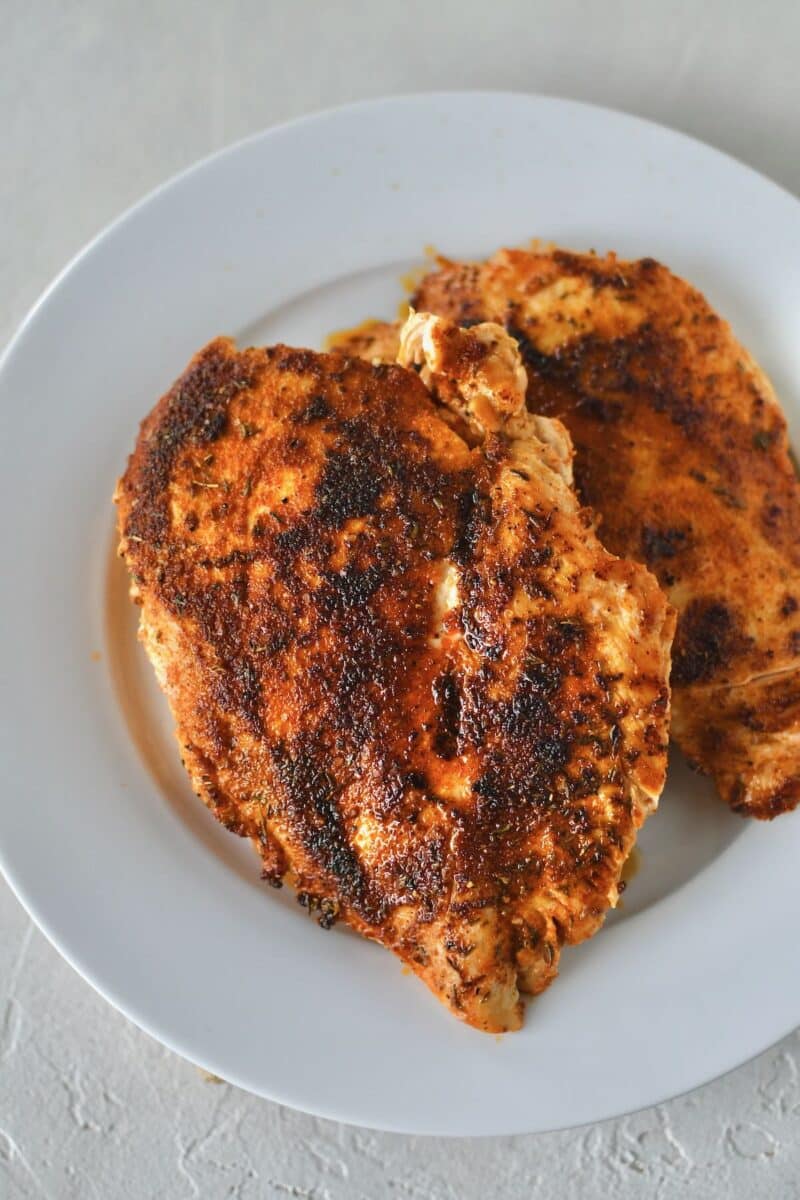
[{"x": 99, "y": 103}]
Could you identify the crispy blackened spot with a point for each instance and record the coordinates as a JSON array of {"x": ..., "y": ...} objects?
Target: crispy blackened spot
[
  {"x": 680, "y": 407},
  {"x": 479, "y": 639},
  {"x": 235, "y": 682},
  {"x": 552, "y": 754},
  {"x": 417, "y": 872},
  {"x": 600, "y": 409},
  {"x": 789, "y": 606},
  {"x": 463, "y": 355},
  {"x": 784, "y": 799},
  {"x": 351, "y": 482},
  {"x": 602, "y": 378},
  {"x": 317, "y": 409},
  {"x": 236, "y": 688},
  {"x": 288, "y": 543},
  {"x": 535, "y": 562},
  {"x": 323, "y": 908},
  {"x": 373, "y": 460},
  {"x": 195, "y": 413},
  {"x": 494, "y": 803},
  {"x": 561, "y": 635},
  {"x": 473, "y": 514},
  {"x": 350, "y": 588},
  {"x": 707, "y": 641},
  {"x": 481, "y": 633},
  {"x": 604, "y": 274},
  {"x": 298, "y": 362},
  {"x": 545, "y": 738},
  {"x": 659, "y": 543},
  {"x": 227, "y": 560},
  {"x": 247, "y": 685},
  {"x": 583, "y": 372},
  {"x": 459, "y": 291},
  {"x": 750, "y": 718},
  {"x": 448, "y": 716},
  {"x": 534, "y": 740},
  {"x": 644, "y": 367},
  {"x": 311, "y": 809},
  {"x": 351, "y": 691},
  {"x": 541, "y": 363},
  {"x": 576, "y": 376},
  {"x": 772, "y": 517},
  {"x": 277, "y": 636},
  {"x": 531, "y": 715},
  {"x": 389, "y": 798}
]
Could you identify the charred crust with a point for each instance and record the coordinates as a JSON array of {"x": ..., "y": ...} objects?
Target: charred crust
[
  {"x": 349, "y": 486},
  {"x": 310, "y": 808},
  {"x": 473, "y": 514},
  {"x": 783, "y": 799},
  {"x": 660, "y": 543},
  {"x": 317, "y": 409},
  {"x": 193, "y": 413},
  {"x": 448, "y": 702},
  {"x": 309, "y": 624},
  {"x": 708, "y": 640}
]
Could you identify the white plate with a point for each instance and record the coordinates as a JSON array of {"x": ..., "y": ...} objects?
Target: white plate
[{"x": 301, "y": 230}]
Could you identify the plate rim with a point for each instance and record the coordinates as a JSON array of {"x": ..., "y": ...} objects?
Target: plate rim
[
  {"x": 151, "y": 197},
  {"x": 448, "y": 94}
]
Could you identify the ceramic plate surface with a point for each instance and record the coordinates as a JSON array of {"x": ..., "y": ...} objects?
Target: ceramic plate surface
[{"x": 305, "y": 229}]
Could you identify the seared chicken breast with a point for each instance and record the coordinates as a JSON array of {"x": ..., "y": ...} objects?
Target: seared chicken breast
[
  {"x": 681, "y": 447},
  {"x": 398, "y": 658}
]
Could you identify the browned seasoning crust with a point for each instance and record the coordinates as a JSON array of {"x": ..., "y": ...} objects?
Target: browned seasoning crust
[
  {"x": 460, "y": 782},
  {"x": 682, "y": 448}
]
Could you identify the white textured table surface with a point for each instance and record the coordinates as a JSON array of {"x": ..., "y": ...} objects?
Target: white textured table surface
[{"x": 100, "y": 102}]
